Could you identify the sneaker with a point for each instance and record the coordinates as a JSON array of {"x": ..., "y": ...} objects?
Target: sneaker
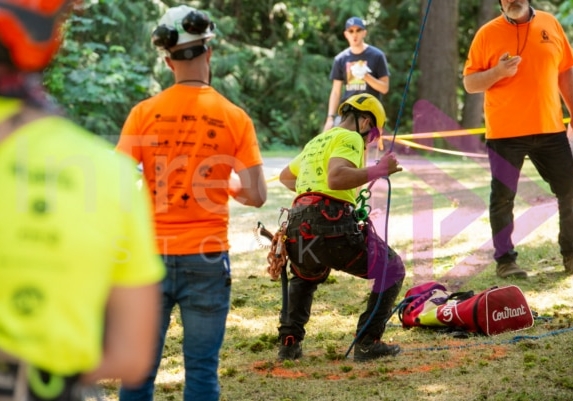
[
  {"x": 368, "y": 351},
  {"x": 510, "y": 269},
  {"x": 568, "y": 263},
  {"x": 290, "y": 349}
]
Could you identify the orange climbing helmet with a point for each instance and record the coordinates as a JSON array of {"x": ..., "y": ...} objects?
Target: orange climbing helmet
[{"x": 30, "y": 32}]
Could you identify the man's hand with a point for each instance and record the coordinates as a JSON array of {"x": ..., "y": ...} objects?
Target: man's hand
[
  {"x": 507, "y": 66},
  {"x": 234, "y": 185},
  {"x": 385, "y": 167},
  {"x": 359, "y": 70}
]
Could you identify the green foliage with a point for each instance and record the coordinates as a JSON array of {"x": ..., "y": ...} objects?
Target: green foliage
[
  {"x": 263, "y": 61},
  {"x": 101, "y": 71},
  {"x": 397, "y": 36},
  {"x": 565, "y": 15},
  {"x": 271, "y": 58}
]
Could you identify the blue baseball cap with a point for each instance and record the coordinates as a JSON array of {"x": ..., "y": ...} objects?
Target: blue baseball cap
[{"x": 355, "y": 21}]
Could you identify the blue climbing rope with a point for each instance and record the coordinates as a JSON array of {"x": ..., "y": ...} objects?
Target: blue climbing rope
[
  {"x": 366, "y": 194},
  {"x": 513, "y": 340}
]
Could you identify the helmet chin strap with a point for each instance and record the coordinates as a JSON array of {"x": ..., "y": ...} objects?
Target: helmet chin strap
[
  {"x": 188, "y": 53},
  {"x": 356, "y": 119}
]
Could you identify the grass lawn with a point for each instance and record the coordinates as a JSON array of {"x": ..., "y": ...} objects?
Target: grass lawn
[{"x": 438, "y": 223}]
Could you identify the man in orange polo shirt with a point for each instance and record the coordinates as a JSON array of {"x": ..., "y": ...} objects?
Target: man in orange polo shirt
[{"x": 523, "y": 63}]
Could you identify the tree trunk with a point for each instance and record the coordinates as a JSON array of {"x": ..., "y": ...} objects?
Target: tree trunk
[
  {"x": 439, "y": 55},
  {"x": 437, "y": 86},
  {"x": 472, "y": 116}
]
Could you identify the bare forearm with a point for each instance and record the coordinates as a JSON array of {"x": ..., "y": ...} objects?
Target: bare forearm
[
  {"x": 333, "y": 100},
  {"x": 382, "y": 84},
  {"x": 288, "y": 179},
  {"x": 350, "y": 177},
  {"x": 252, "y": 187},
  {"x": 345, "y": 177},
  {"x": 481, "y": 81},
  {"x": 566, "y": 89},
  {"x": 342, "y": 174},
  {"x": 131, "y": 332}
]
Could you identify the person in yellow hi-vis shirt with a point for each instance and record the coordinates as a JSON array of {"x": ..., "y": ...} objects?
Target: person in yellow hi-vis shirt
[
  {"x": 328, "y": 228},
  {"x": 78, "y": 267}
]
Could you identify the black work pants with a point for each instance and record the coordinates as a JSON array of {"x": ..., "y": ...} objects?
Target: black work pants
[{"x": 551, "y": 156}]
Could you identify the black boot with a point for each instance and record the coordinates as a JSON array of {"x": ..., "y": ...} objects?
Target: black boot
[
  {"x": 368, "y": 349},
  {"x": 290, "y": 348},
  {"x": 368, "y": 345}
]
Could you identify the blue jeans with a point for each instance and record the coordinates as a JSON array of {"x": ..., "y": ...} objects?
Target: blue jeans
[
  {"x": 551, "y": 156},
  {"x": 201, "y": 286}
]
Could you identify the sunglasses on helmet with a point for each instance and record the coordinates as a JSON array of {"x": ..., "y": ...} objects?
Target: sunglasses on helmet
[{"x": 194, "y": 23}]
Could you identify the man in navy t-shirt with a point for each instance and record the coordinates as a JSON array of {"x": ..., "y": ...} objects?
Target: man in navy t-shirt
[{"x": 359, "y": 68}]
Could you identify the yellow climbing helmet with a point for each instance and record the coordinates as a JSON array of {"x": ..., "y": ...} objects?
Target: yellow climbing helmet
[{"x": 365, "y": 102}]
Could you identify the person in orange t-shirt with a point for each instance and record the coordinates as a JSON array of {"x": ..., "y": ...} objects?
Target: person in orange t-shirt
[
  {"x": 523, "y": 63},
  {"x": 189, "y": 140}
]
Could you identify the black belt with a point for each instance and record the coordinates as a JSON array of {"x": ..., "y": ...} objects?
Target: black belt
[{"x": 330, "y": 210}]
